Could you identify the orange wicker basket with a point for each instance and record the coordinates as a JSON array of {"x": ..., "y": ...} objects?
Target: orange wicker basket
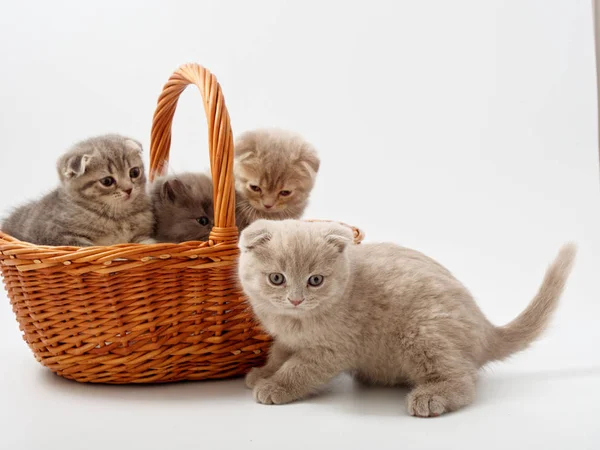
[{"x": 135, "y": 313}]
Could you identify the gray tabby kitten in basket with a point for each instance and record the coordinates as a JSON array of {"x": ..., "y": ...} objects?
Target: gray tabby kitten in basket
[
  {"x": 274, "y": 170},
  {"x": 387, "y": 314},
  {"x": 101, "y": 199},
  {"x": 183, "y": 207}
]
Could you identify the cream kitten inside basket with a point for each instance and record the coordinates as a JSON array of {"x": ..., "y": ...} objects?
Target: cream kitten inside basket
[
  {"x": 275, "y": 171},
  {"x": 387, "y": 314}
]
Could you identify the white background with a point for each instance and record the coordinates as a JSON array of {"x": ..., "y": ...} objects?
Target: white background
[{"x": 465, "y": 129}]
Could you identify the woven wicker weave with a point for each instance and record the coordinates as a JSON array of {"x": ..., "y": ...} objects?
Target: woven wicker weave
[{"x": 135, "y": 313}]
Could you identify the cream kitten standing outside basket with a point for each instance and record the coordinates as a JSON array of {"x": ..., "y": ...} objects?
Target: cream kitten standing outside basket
[{"x": 387, "y": 314}]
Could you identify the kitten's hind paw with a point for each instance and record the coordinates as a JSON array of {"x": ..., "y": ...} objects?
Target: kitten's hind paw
[
  {"x": 268, "y": 392},
  {"x": 433, "y": 399}
]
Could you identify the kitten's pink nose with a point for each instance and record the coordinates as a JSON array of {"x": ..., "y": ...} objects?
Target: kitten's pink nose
[
  {"x": 296, "y": 302},
  {"x": 267, "y": 206},
  {"x": 128, "y": 191}
]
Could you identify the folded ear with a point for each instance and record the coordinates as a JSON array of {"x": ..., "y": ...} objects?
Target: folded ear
[
  {"x": 339, "y": 236},
  {"x": 133, "y": 145},
  {"x": 73, "y": 166},
  {"x": 172, "y": 190},
  {"x": 255, "y": 235},
  {"x": 310, "y": 160},
  {"x": 245, "y": 146}
]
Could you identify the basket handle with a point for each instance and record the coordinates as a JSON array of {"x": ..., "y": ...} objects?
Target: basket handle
[{"x": 220, "y": 142}]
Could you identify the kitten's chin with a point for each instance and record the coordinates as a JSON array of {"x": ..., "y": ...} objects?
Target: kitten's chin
[
  {"x": 276, "y": 212},
  {"x": 119, "y": 207}
]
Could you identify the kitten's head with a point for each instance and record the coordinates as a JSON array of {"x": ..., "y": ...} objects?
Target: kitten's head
[
  {"x": 183, "y": 207},
  {"x": 293, "y": 267},
  {"x": 275, "y": 170},
  {"x": 106, "y": 172}
]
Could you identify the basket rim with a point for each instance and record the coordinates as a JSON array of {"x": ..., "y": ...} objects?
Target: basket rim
[
  {"x": 114, "y": 258},
  {"x": 8, "y": 242}
]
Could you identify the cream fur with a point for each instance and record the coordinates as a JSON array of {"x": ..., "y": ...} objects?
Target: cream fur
[
  {"x": 387, "y": 314},
  {"x": 269, "y": 163}
]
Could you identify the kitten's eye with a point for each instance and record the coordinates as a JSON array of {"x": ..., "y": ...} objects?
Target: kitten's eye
[
  {"x": 315, "y": 280},
  {"x": 107, "y": 181},
  {"x": 255, "y": 188},
  {"x": 285, "y": 193},
  {"x": 202, "y": 220},
  {"x": 276, "y": 279},
  {"x": 134, "y": 172}
]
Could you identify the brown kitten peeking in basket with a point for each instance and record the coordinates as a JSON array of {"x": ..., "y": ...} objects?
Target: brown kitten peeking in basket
[
  {"x": 101, "y": 199},
  {"x": 275, "y": 172},
  {"x": 387, "y": 314},
  {"x": 183, "y": 207}
]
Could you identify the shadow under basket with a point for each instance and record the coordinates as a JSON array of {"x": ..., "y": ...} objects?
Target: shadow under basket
[{"x": 135, "y": 313}]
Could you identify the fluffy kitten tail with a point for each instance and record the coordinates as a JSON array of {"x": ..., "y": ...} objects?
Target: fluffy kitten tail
[{"x": 522, "y": 331}]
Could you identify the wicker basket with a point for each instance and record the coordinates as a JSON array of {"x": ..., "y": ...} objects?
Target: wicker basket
[{"x": 135, "y": 313}]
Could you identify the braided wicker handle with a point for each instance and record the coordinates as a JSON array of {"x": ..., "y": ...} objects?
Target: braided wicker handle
[{"x": 220, "y": 141}]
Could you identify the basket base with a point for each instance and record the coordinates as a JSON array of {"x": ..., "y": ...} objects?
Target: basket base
[{"x": 177, "y": 372}]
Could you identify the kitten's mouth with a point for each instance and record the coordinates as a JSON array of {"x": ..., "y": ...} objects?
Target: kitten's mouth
[
  {"x": 271, "y": 209},
  {"x": 290, "y": 309},
  {"x": 264, "y": 209}
]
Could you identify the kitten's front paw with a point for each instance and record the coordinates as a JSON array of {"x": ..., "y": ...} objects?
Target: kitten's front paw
[
  {"x": 425, "y": 404},
  {"x": 268, "y": 392},
  {"x": 148, "y": 241},
  {"x": 255, "y": 375}
]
